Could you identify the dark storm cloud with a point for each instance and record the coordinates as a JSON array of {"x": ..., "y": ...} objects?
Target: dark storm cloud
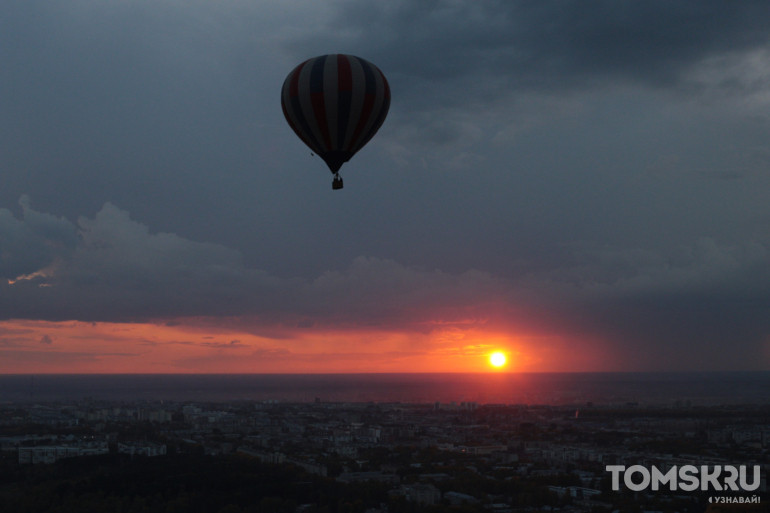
[
  {"x": 548, "y": 44},
  {"x": 584, "y": 167},
  {"x": 34, "y": 243},
  {"x": 454, "y": 64},
  {"x": 120, "y": 271},
  {"x": 651, "y": 302},
  {"x": 131, "y": 102},
  {"x": 700, "y": 307},
  {"x": 706, "y": 330}
]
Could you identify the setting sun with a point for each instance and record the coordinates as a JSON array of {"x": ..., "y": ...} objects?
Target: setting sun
[{"x": 497, "y": 359}]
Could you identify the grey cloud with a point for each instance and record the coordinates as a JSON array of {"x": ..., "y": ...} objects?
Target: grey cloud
[
  {"x": 469, "y": 61},
  {"x": 136, "y": 103},
  {"x": 381, "y": 291},
  {"x": 32, "y": 243},
  {"x": 704, "y": 264},
  {"x": 119, "y": 270},
  {"x": 704, "y": 330},
  {"x": 695, "y": 299},
  {"x": 548, "y": 44},
  {"x": 580, "y": 163},
  {"x": 703, "y": 306}
]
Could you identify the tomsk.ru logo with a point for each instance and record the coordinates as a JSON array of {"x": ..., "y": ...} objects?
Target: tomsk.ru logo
[{"x": 687, "y": 477}]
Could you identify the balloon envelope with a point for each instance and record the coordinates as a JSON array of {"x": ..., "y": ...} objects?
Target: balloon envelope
[{"x": 335, "y": 104}]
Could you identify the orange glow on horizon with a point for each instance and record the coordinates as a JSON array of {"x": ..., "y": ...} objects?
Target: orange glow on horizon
[{"x": 210, "y": 345}]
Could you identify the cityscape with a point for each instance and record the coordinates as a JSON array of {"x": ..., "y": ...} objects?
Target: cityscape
[{"x": 376, "y": 456}]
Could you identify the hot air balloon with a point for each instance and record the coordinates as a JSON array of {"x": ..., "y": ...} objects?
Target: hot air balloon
[{"x": 335, "y": 104}]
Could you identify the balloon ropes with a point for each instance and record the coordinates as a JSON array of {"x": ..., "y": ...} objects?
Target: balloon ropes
[{"x": 335, "y": 104}]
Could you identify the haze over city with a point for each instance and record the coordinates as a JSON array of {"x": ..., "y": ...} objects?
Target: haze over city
[{"x": 580, "y": 186}]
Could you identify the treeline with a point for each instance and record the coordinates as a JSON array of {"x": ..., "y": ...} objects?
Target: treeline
[
  {"x": 176, "y": 484},
  {"x": 195, "y": 483}
]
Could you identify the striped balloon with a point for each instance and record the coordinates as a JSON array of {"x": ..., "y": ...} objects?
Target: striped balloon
[{"x": 335, "y": 104}]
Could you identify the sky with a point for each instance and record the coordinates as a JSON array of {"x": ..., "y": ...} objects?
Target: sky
[{"x": 581, "y": 185}]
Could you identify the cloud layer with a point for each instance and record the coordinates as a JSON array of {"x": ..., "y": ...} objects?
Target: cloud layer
[
  {"x": 594, "y": 172},
  {"x": 683, "y": 305}
]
